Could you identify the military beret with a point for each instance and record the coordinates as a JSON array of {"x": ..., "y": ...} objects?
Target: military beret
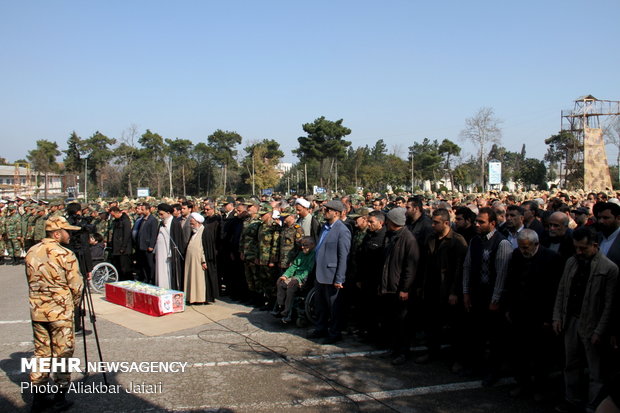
[{"x": 265, "y": 209}]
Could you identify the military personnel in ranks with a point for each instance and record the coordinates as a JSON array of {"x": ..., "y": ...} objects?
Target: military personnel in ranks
[
  {"x": 39, "y": 224},
  {"x": 249, "y": 247},
  {"x": 55, "y": 289},
  {"x": 59, "y": 209},
  {"x": 13, "y": 228},
  {"x": 317, "y": 203},
  {"x": 30, "y": 218},
  {"x": 291, "y": 234},
  {"x": 3, "y": 236},
  {"x": 268, "y": 246}
]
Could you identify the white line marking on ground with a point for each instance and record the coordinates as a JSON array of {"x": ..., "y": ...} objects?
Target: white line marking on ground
[
  {"x": 15, "y": 322},
  {"x": 357, "y": 397}
]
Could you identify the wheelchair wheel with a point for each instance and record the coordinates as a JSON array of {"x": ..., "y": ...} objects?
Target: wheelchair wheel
[
  {"x": 310, "y": 306},
  {"x": 103, "y": 273}
]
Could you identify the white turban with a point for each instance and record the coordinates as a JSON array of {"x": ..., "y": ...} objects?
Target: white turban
[
  {"x": 303, "y": 202},
  {"x": 197, "y": 217}
]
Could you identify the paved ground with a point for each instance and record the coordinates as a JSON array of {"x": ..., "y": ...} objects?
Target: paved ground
[{"x": 247, "y": 363}]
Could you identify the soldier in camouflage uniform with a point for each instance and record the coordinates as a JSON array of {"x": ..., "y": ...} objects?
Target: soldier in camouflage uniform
[
  {"x": 290, "y": 235},
  {"x": 3, "y": 236},
  {"x": 13, "y": 228},
  {"x": 55, "y": 289},
  {"x": 318, "y": 211},
  {"x": 39, "y": 224},
  {"x": 30, "y": 218},
  {"x": 249, "y": 246},
  {"x": 268, "y": 248}
]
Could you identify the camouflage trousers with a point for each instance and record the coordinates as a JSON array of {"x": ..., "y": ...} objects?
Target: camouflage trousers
[
  {"x": 266, "y": 278},
  {"x": 14, "y": 247},
  {"x": 2, "y": 247},
  {"x": 250, "y": 276},
  {"x": 53, "y": 339}
]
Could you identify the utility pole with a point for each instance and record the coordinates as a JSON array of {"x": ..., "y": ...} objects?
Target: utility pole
[
  {"x": 306, "y": 176},
  {"x": 253, "y": 174},
  {"x": 86, "y": 180},
  {"x": 411, "y": 154}
]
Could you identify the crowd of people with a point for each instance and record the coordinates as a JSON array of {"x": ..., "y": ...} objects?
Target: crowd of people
[{"x": 490, "y": 283}]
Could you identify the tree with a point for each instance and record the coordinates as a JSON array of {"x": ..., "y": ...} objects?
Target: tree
[
  {"x": 152, "y": 157},
  {"x": 179, "y": 151},
  {"x": 532, "y": 172},
  {"x": 43, "y": 159},
  {"x": 73, "y": 160},
  {"x": 563, "y": 150},
  {"x": 260, "y": 163},
  {"x": 98, "y": 150},
  {"x": 324, "y": 143},
  {"x": 482, "y": 129},
  {"x": 426, "y": 159},
  {"x": 449, "y": 149},
  {"x": 127, "y": 153},
  {"x": 223, "y": 145}
]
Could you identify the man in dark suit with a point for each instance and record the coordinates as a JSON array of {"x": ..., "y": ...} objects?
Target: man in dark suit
[
  {"x": 332, "y": 252},
  {"x": 145, "y": 244},
  {"x": 121, "y": 243}
]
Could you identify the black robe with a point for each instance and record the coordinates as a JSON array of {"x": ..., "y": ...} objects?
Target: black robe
[
  {"x": 178, "y": 255},
  {"x": 210, "y": 239}
]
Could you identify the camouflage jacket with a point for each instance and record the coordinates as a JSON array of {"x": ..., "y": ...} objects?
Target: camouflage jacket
[
  {"x": 30, "y": 225},
  {"x": 249, "y": 244},
  {"x": 13, "y": 225},
  {"x": 54, "y": 281},
  {"x": 289, "y": 244},
  {"x": 39, "y": 228},
  {"x": 268, "y": 245}
]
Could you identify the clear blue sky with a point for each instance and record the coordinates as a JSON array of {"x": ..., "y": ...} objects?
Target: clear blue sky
[{"x": 397, "y": 70}]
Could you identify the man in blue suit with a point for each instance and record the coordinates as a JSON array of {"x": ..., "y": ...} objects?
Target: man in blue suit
[{"x": 332, "y": 251}]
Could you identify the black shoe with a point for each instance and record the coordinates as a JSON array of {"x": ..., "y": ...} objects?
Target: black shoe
[
  {"x": 286, "y": 320},
  {"x": 40, "y": 403},
  {"x": 60, "y": 401},
  {"x": 317, "y": 334},
  {"x": 277, "y": 311}
]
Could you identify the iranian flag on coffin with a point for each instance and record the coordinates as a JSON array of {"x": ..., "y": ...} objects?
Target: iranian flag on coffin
[{"x": 145, "y": 298}]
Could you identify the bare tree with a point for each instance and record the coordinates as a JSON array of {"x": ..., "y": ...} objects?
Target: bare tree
[{"x": 482, "y": 129}]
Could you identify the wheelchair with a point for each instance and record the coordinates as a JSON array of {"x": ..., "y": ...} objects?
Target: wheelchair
[
  {"x": 103, "y": 273},
  {"x": 304, "y": 306}
]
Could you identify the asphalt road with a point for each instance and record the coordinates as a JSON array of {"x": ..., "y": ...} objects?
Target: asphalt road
[{"x": 247, "y": 363}]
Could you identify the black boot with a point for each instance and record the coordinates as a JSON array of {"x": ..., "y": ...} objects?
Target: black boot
[
  {"x": 60, "y": 401},
  {"x": 40, "y": 402}
]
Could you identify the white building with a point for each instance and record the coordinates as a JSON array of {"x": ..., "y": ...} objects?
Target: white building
[{"x": 22, "y": 181}]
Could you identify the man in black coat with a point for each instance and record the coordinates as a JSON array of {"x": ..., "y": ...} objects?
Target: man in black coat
[
  {"x": 531, "y": 285},
  {"x": 210, "y": 242},
  {"x": 121, "y": 243},
  {"x": 402, "y": 256},
  {"x": 559, "y": 237},
  {"x": 145, "y": 244}
]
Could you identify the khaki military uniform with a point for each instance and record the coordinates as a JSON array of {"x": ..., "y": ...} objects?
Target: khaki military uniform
[{"x": 55, "y": 289}]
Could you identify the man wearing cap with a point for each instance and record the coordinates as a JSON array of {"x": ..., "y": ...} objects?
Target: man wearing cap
[
  {"x": 402, "y": 255},
  {"x": 55, "y": 289},
  {"x": 580, "y": 215},
  {"x": 332, "y": 252},
  {"x": 39, "y": 224},
  {"x": 13, "y": 226},
  {"x": 3, "y": 236},
  {"x": 290, "y": 235},
  {"x": 248, "y": 247},
  {"x": 268, "y": 246}
]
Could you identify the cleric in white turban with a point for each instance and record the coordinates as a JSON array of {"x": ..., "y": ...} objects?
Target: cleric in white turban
[{"x": 195, "y": 288}]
